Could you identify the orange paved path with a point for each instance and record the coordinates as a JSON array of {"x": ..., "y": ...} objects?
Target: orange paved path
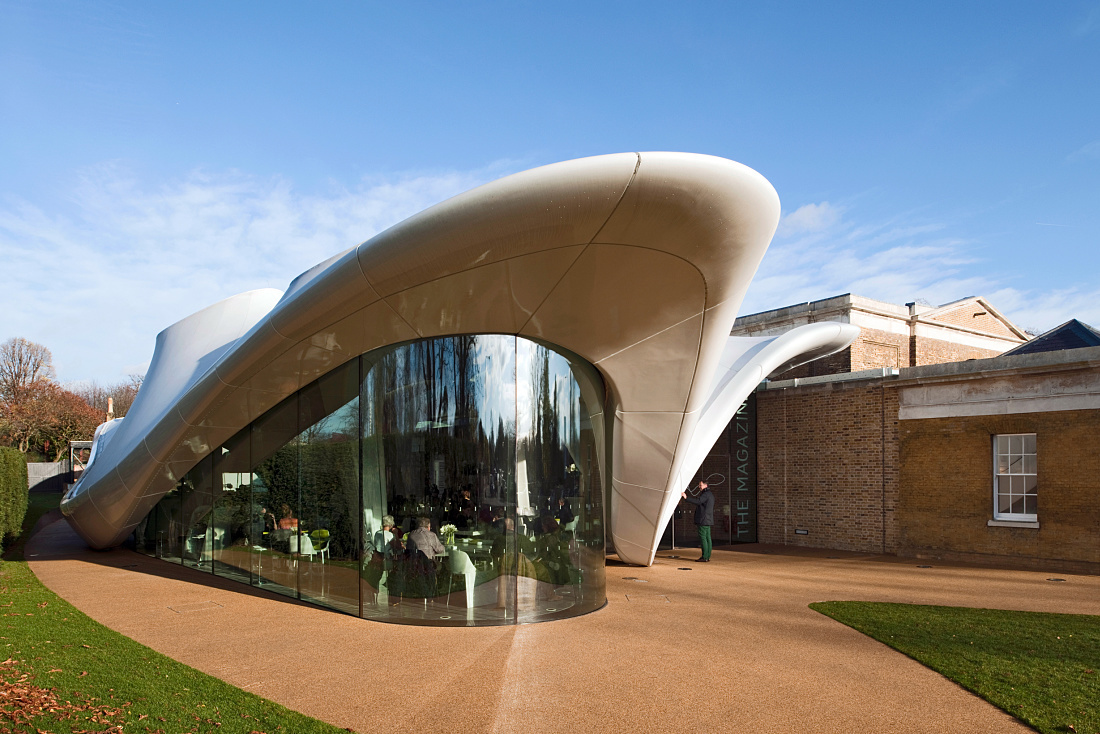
[{"x": 729, "y": 645}]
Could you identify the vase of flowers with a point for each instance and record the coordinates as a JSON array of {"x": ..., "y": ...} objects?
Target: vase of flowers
[{"x": 447, "y": 534}]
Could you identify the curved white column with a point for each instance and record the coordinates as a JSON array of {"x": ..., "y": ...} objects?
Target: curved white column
[{"x": 635, "y": 262}]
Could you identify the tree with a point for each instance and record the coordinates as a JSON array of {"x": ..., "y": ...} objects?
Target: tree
[
  {"x": 122, "y": 393},
  {"x": 45, "y": 418},
  {"x": 37, "y": 414},
  {"x": 22, "y": 363}
]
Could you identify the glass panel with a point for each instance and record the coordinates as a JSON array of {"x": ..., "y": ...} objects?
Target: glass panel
[
  {"x": 439, "y": 463},
  {"x": 377, "y": 527},
  {"x": 1029, "y": 443},
  {"x": 196, "y": 489},
  {"x": 1002, "y": 464},
  {"x": 145, "y": 534},
  {"x": 1030, "y": 504},
  {"x": 232, "y": 508},
  {"x": 1029, "y": 464},
  {"x": 1004, "y": 503},
  {"x": 1017, "y": 504},
  {"x": 170, "y": 529},
  {"x": 1016, "y": 444},
  {"x": 1002, "y": 444},
  {"x": 1031, "y": 484},
  {"x": 560, "y": 550},
  {"x": 1015, "y": 464},
  {"x": 274, "y": 501},
  {"x": 1016, "y": 485},
  {"x": 327, "y": 544}
]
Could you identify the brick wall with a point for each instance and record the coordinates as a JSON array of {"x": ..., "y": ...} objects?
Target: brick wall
[
  {"x": 828, "y": 464},
  {"x": 935, "y": 351},
  {"x": 947, "y": 475},
  {"x": 874, "y": 348},
  {"x": 975, "y": 316}
]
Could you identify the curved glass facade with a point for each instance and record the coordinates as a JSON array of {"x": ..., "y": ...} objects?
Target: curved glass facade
[{"x": 448, "y": 481}]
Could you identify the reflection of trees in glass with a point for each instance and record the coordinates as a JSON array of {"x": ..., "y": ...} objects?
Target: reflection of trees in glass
[
  {"x": 441, "y": 432},
  {"x": 323, "y": 463}
]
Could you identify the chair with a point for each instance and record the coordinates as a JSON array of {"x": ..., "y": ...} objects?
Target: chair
[
  {"x": 301, "y": 544},
  {"x": 571, "y": 528},
  {"x": 461, "y": 565},
  {"x": 321, "y": 540}
]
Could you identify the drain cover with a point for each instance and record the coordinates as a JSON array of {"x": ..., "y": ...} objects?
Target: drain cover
[
  {"x": 924, "y": 567},
  {"x": 1055, "y": 579},
  {"x": 683, "y": 568}
]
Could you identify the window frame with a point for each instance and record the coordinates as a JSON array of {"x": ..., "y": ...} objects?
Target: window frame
[{"x": 999, "y": 476}]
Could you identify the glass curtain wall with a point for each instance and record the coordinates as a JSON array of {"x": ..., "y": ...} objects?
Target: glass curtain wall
[
  {"x": 232, "y": 508},
  {"x": 449, "y": 481},
  {"x": 327, "y": 548}
]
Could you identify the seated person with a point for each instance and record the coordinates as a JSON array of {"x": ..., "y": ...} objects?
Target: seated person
[
  {"x": 384, "y": 537},
  {"x": 424, "y": 540},
  {"x": 564, "y": 514},
  {"x": 288, "y": 521},
  {"x": 422, "y": 548}
]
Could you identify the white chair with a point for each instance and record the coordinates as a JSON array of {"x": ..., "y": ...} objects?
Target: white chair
[
  {"x": 301, "y": 544},
  {"x": 461, "y": 565},
  {"x": 571, "y": 528}
]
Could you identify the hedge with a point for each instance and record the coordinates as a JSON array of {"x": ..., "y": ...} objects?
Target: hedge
[{"x": 13, "y": 491}]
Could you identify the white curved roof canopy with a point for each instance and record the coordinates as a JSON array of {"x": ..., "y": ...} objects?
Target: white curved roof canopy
[{"x": 635, "y": 262}]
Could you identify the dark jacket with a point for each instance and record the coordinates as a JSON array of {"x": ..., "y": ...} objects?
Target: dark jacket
[{"x": 704, "y": 510}]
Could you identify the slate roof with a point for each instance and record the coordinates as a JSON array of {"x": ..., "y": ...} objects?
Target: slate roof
[{"x": 1071, "y": 335}]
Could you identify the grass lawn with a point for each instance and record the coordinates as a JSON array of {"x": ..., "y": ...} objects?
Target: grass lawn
[
  {"x": 65, "y": 673},
  {"x": 1044, "y": 669}
]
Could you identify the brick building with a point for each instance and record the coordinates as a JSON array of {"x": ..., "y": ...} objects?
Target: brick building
[
  {"x": 894, "y": 336},
  {"x": 992, "y": 460}
]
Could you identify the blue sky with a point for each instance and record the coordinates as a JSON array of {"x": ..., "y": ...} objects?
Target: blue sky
[{"x": 156, "y": 157}]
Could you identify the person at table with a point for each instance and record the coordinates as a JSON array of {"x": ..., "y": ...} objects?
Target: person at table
[
  {"x": 424, "y": 540},
  {"x": 383, "y": 539},
  {"x": 420, "y": 552},
  {"x": 287, "y": 520}
]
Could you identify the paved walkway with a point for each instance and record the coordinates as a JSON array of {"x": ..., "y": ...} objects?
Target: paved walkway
[{"x": 729, "y": 645}]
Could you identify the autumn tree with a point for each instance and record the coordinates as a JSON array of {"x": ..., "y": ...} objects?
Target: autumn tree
[{"x": 37, "y": 414}]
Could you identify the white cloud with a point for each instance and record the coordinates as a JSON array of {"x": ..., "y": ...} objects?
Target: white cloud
[
  {"x": 809, "y": 218},
  {"x": 96, "y": 282}
]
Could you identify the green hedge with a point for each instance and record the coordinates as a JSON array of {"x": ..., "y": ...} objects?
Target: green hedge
[{"x": 13, "y": 491}]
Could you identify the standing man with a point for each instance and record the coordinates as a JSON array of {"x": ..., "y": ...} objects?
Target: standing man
[{"x": 704, "y": 518}]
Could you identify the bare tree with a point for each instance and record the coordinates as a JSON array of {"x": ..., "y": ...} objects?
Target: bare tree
[
  {"x": 123, "y": 393},
  {"x": 23, "y": 363}
]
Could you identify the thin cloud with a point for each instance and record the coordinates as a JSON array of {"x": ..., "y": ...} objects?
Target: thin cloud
[
  {"x": 1089, "y": 151},
  {"x": 809, "y": 218},
  {"x": 898, "y": 261},
  {"x": 126, "y": 259}
]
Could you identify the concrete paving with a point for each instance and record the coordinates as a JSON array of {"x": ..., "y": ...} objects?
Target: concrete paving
[{"x": 729, "y": 645}]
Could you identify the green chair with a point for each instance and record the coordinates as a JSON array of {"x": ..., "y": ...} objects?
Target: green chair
[{"x": 321, "y": 541}]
